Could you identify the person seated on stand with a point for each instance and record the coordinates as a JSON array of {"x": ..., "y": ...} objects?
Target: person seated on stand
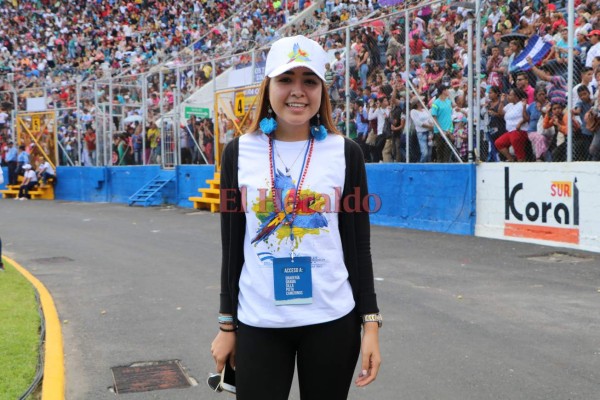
[
  {"x": 45, "y": 172},
  {"x": 29, "y": 183}
]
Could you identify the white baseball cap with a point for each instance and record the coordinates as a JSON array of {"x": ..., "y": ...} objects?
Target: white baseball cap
[
  {"x": 27, "y": 166},
  {"x": 293, "y": 52}
]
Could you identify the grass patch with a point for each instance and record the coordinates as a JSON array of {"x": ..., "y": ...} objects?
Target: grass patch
[{"x": 19, "y": 333}]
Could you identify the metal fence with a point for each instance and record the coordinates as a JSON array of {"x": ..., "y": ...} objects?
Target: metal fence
[{"x": 433, "y": 82}]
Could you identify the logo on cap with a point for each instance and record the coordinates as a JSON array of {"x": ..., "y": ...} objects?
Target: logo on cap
[{"x": 298, "y": 54}]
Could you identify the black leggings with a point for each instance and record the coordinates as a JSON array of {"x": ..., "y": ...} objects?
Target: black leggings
[{"x": 327, "y": 354}]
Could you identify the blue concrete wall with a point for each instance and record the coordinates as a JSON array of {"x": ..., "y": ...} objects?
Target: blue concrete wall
[
  {"x": 190, "y": 178},
  {"x": 5, "y": 173},
  {"x": 117, "y": 184},
  {"x": 433, "y": 197},
  {"x": 89, "y": 184}
]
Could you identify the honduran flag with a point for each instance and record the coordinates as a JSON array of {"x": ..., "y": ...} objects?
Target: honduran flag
[
  {"x": 536, "y": 48},
  {"x": 389, "y": 3}
]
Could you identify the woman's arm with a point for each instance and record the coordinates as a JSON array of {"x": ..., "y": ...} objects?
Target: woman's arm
[
  {"x": 563, "y": 122},
  {"x": 223, "y": 346},
  {"x": 548, "y": 123},
  {"x": 367, "y": 303}
]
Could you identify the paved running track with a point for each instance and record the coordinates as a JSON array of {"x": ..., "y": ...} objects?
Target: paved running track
[{"x": 465, "y": 317}]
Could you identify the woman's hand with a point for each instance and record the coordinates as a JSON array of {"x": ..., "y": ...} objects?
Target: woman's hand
[
  {"x": 371, "y": 357},
  {"x": 223, "y": 348}
]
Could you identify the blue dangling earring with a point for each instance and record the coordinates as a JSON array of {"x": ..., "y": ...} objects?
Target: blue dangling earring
[
  {"x": 268, "y": 124},
  {"x": 318, "y": 131}
]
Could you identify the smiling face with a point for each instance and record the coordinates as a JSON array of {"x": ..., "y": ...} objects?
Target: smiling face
[{"x": 295, "y": 97}]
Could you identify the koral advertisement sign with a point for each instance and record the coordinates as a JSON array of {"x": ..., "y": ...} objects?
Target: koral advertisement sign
[{"x": 546, "y": 210}]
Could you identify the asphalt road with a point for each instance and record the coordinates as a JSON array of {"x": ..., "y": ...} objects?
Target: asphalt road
[{"x": 465, "y": 318}]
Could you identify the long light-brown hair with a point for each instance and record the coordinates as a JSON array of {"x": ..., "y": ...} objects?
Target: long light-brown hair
[{"x": 262, "y": 107}]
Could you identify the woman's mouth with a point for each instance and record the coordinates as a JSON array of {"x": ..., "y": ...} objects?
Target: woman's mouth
[{"x": 296, "y": 105}]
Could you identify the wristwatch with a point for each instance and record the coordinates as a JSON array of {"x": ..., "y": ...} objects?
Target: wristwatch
[{"x": 373, "y": 318}]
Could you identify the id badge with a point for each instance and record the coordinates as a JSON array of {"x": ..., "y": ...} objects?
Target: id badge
[{"x": 293, "y": 280}]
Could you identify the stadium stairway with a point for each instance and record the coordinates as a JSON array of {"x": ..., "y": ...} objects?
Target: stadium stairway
[
  {"x": 145, "y": 196},
  {"x": 41, "y": 192},
  {"x": 211, "y": 198}
]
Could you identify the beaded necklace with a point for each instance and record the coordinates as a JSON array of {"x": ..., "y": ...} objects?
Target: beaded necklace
[{"x": 303, "y": 171}]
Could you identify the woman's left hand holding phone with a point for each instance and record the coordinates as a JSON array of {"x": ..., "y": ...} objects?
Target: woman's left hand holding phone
[{"x": 223, "y": 348}]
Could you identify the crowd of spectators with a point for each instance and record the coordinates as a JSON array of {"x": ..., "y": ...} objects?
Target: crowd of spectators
[
  {"x": 523, "y": 114},
  {"x": 73, "y": 41},
  {"x": 59, "y": 49},
  {"x": 524, "y": 108}
]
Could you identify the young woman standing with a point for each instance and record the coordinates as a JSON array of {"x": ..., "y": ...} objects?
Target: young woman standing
[{"x": 297, "y": 277}]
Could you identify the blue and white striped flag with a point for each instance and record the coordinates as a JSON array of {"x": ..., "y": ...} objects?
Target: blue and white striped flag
[{"x": 536, "y": 48}]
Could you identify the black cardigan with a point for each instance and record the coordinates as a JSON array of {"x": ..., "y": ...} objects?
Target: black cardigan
[{"x": 354, "y": 229}]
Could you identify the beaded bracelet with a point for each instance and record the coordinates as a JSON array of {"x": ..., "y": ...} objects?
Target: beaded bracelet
[
  {"x": 225, "y": 319},
  {"x": 227, "y": 330}
]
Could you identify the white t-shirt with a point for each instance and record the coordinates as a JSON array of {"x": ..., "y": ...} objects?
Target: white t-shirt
[
  {"x": 380, "y": 114},
  {"x": 513, "y": 114},
  {"x": 591, "y": 54},
  {"x": 316, "y": 234},
  {"x": 47, "y": 167},
  {"x": 31, "y": 175},
  {"x": 420, "y": 117}
]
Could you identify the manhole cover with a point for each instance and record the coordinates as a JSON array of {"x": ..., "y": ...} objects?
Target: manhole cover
[
  {"x": 558, "y": 257},
  {"x": 148, "y": 376},
  {"x": 52, "y": 260}
]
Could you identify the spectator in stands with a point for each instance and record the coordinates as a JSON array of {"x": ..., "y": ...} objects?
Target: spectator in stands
[
  {"x": 534, "y": 115},
  {"x": 441, "y": 110},
  {"x": 339, "y": 68},
  {"x": 461, "y": 135},
  {"x": 329, "y": 81},
  {"x": 421, "y": 120},
  {"x": 594, "y": 50},
  {"x": 207, "y": 133},
  {"x": 362, "y": 63},
  {"x": 30, "y": 181},
  {"x": 583, "y": 43},
  {"x": 45, "y": 171},
  {"x": 379, "y": 112},
  {"x": 495, "y": 122},
  {"x": 153, "y": 139},
  {"x": 185, "y": 142},
  {"x": 119, "y": 150},
  {"x": 22, "y": 159},
  {"x": 583, "y": 141},
  {"x": 513, "y": 108},
  {"x": 89, "y": 148},
  {"x": 4, "y": 117},
  {"x": 395, "y": 145},
  {"x": 494, "y": 68},
  {"x": 557, "y": 118},
  {"x": 556, "y": 84},
  {"x": 362, "y": 125},
  {"x": 137, "y": 142},
  {"x": 11, "y": 158},
  {"x": 522, "y": 83}
]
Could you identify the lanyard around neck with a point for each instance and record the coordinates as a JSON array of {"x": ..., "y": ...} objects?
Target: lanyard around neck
[{"x": 299, "y": 183}]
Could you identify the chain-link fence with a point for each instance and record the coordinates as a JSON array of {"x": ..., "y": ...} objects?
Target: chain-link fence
[
  {"x": 433, "y": 82},
  {"x": 537, "y": 82}
]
